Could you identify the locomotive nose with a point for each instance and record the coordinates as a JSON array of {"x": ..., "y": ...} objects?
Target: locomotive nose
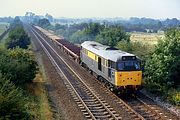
[{"x": 128, "y": 78}]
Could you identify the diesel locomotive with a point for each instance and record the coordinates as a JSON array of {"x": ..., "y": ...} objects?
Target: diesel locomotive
[{"x": 118, "y": 69}]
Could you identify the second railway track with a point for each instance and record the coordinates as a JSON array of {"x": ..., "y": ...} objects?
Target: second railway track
[
  {"x": 89, "y": 101},
  {"x": 149, "y": 109}
]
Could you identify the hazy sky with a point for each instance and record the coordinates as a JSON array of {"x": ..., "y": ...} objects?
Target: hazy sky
[{"x": 93, "y": 8}]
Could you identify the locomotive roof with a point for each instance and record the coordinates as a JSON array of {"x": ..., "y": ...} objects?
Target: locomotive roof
[{"x": 104, "y": 51}]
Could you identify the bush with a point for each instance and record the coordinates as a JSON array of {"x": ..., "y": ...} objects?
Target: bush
[
  {"x": 125, "y": 46},
  {"x": 112, "y": 35},
  {"x": 79, "y": 37},
  {"x": 13, "y": 103},
  {"x": 163, "y": 66},
  {"x": 17, "y": 38},
  {"x": 174, "y": 97},
  {"x": 18, "y": 66},
  {"x": 44, "y": 22}
]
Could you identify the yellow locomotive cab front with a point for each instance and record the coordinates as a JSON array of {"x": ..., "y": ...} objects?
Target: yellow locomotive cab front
[{"x": 128, "y": 78}]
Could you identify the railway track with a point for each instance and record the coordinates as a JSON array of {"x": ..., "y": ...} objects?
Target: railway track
[
  {"x": 149, "y": 109},
  {"x": 90, "y": 103},
  {"x": 92, "y": 106},
  {"x": 158, "y": 110}
]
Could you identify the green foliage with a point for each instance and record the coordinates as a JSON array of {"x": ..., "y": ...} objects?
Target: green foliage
[
  {"x": 13, "y": 103},
  {"x": 163, "y": 67},
  {"x": 174, "y": 96},
  {"x": 125, "y": 46},
  {"x": 78, "y": 33},
  {"x": 59, "y": 26},
  {"x": 86, "y": 32},
  {"x": 112, "y": 35},
  {"x": 18, "y": 66},
  {"x": 16, "y": 22},
  {"x": 79, "y": 37},
  {"x": 140, "y": 49},
  {"x": 137, "y": 48},
  {"x": 44, "y": 23},
  {"x": 17, "y": 38},
  {"x": 93, "y": 29}
]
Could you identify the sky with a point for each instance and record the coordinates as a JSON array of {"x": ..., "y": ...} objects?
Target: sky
[{"x": 158, "y": 9}]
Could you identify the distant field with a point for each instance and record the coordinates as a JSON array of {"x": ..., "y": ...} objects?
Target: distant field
[
  {"x": 146, "y": 38},
  {"x": 3, "y": 27}
]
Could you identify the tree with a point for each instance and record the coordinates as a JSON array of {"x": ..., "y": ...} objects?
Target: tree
[
  {"x": 17, "y": 38},
  {"x": 18, "y": 66},
  {"x": 58, "y": 26},
  {"x": 163, "y": 66},
  {"x": 124, "y": 46},
  {"x": 93, "y": 29},
  {"x": 112, "y": 35},
  {"x": 13, "y": 104},
  {"x": 79, "y": 37},
  {"x": 44, "y": 22},
  {"x": 49, "y": 17}
]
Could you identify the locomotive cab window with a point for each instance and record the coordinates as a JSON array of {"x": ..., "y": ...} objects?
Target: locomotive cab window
[
  {"x": 111, "y": 64},
  {"x": 128, "y": 65},
  {"x": 120, "y": 66}
]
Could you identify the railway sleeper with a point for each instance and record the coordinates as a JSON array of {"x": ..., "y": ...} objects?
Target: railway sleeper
[
  {"x": 98, "y": 110},
  {"x": 91, "y": 103},
  {"x": 85, "y": 113},
  {"x": 94, "y": 105},
  {"x": 89, "y": 100},
  {"x": 83, "y": 110},
  {"x": 100, "y": 107},
  {"x": 98, "y": 113},
  {"x": 137, "y": 118},
  {"x": 103, "y": 116},
  {"x": 82, "y": 107},
  {"x": 88, "y": 117}
]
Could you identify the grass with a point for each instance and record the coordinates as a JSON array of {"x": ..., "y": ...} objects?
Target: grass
[
  {"x": 3, "y": 27},
  {"x": 174, "y": 97},
  {"x": 146, "y": 38},
  {"x": 45, "y": 108},
  {"x": 2, "y": 42},
  {"x": 38, "y": 89}
]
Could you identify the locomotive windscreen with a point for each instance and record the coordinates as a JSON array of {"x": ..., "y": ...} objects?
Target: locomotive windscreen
[{"x": 128, "y": 65}]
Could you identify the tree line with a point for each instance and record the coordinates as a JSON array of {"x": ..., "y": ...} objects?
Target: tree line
[
  {"x": 129, "y": 25},
  {"x": 78, "y": 33},
  {"x": 17, "y": 36},
  {"x": 17, "y": 69},
  {"x": 162, "y": 68}
]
